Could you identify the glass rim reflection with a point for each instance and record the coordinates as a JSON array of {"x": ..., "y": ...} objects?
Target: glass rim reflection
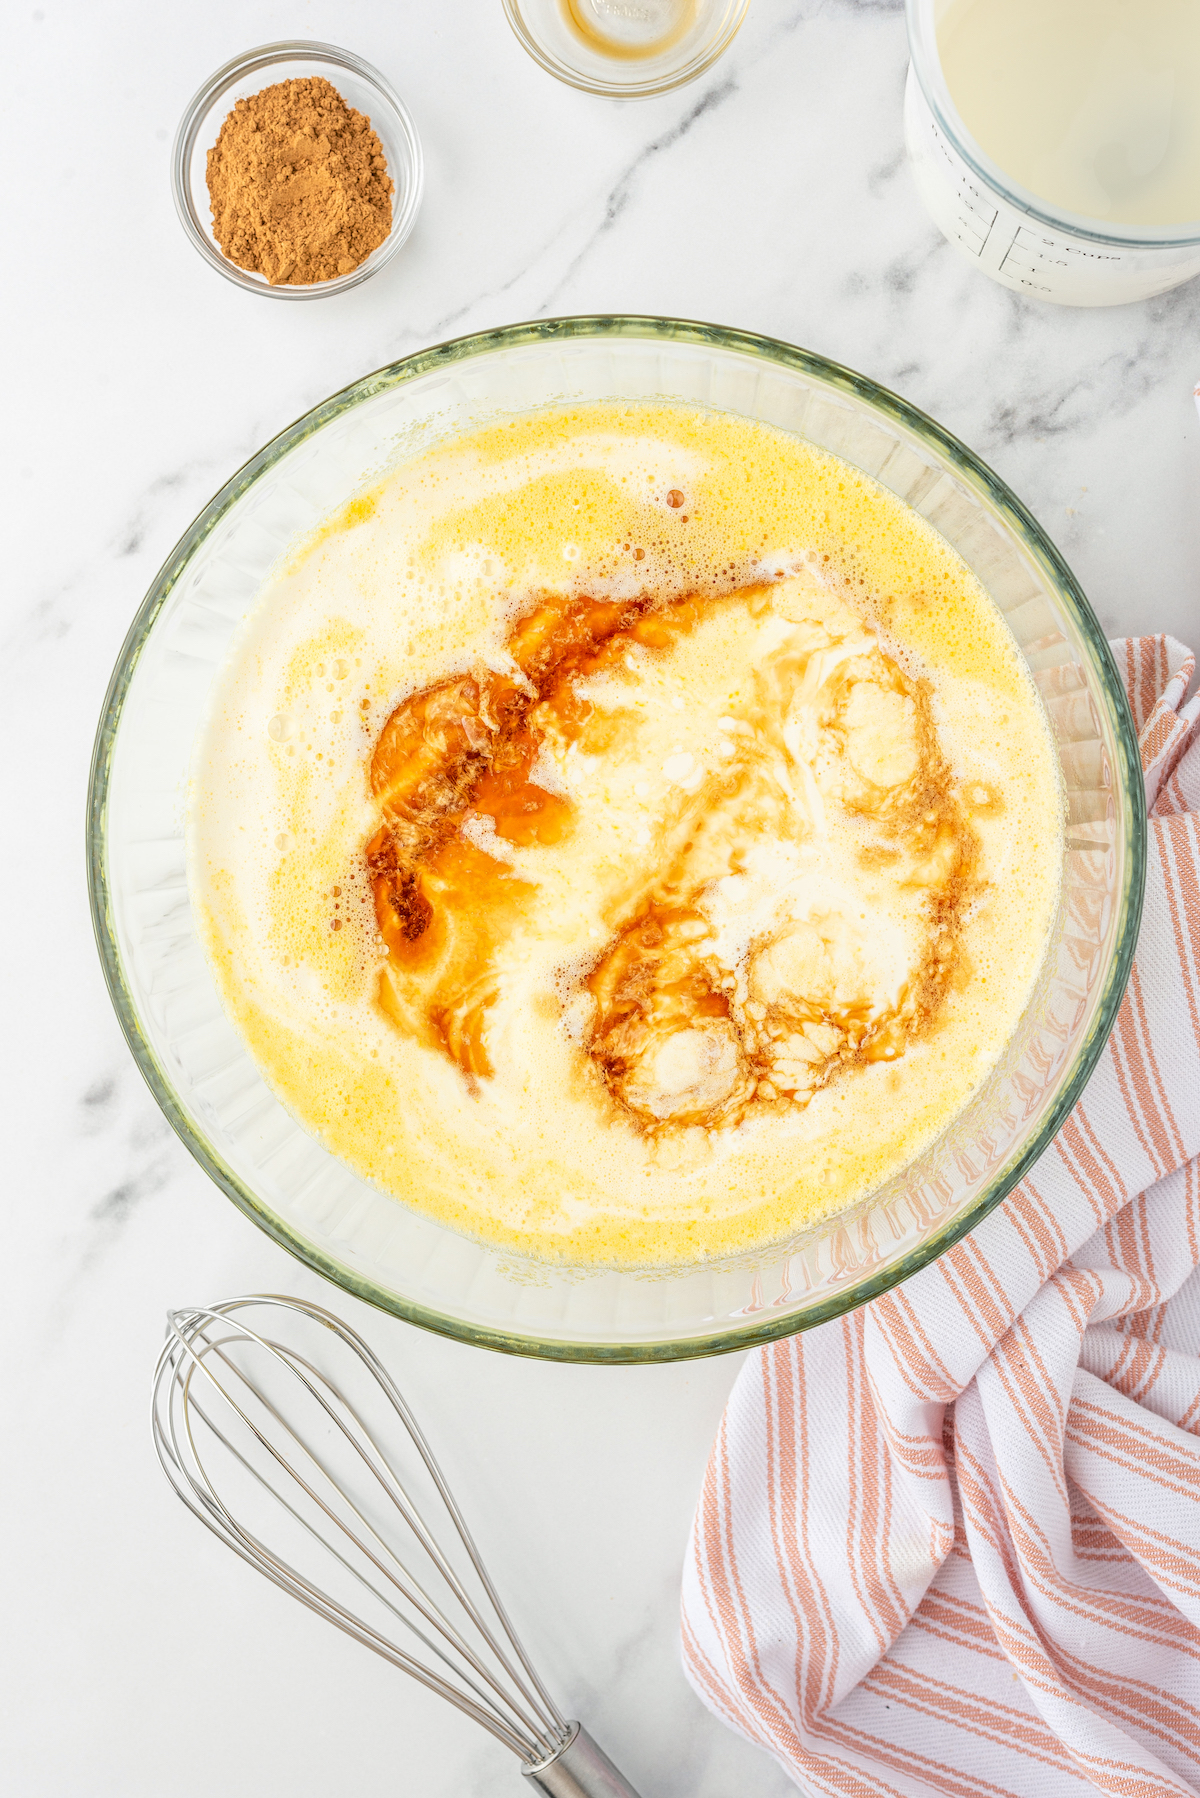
[{"x": 973, "y": 474}]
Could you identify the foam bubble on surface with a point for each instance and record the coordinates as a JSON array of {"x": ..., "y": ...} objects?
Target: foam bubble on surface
[{"x": 425, "y": 579}]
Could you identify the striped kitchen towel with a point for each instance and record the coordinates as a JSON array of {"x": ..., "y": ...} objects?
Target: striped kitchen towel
[{"x": 950, "y": 1544}]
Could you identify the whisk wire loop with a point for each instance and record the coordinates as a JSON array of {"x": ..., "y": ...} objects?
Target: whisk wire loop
[
  {"x": 421, "y": 1600},
  {"x": 252, "y": 1550},
  {"x": 506, "y": 1697},
  {"x": 329, "y": 1606},
  {"x": 281, "y": 1574}
]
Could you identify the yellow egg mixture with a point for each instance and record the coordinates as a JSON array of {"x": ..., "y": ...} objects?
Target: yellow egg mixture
[{"x": 629, "y": 834}]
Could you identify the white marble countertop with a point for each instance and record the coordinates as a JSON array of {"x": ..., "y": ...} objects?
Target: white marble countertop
[{"x": 139, "y": 1656}]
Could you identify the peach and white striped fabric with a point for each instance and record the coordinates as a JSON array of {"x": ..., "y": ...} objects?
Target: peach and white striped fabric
[{"x": 950, "y": 1544}]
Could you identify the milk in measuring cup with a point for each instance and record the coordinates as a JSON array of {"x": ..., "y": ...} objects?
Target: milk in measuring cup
[{"x": 1057, "y": 142}]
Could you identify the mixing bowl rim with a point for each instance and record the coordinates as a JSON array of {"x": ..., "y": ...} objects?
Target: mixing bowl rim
[{"x": 969, "y": 468}]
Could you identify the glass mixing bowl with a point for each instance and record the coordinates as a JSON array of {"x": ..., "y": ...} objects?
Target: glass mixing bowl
[{"x": 194, "y": 1060}]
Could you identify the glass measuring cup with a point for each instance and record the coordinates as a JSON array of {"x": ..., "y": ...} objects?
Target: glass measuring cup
[{"x": 1020, "y": 240}]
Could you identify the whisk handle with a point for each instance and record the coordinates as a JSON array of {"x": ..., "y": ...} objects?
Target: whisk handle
[{"x": 579, "y": 1770}]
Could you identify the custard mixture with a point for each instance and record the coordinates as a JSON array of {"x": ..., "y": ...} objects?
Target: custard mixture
[{"x": 627, "y": 835}]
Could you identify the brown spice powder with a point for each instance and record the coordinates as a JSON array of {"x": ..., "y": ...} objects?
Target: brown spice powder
[{"x": 298, "y": 184}]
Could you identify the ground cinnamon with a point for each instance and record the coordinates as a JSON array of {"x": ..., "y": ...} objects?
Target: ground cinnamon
[{"x": 298, "y": 184}]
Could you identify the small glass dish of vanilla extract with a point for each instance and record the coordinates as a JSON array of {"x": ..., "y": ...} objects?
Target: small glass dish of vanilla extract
[{"x": 626, "y": 49}]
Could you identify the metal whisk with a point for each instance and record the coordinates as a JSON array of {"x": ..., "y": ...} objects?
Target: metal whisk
[{"x": 284, "y": 1434}]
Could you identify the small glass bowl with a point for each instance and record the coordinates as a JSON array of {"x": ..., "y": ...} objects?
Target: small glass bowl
[
  {"x": 609, "y": 46},
  {"x": 360, "y": 85}
]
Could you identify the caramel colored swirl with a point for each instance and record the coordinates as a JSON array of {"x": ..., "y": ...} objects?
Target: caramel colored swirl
[
  {"x": 465, "y": 749},
  {"x": 637, "y": 930},
  {"x": 798, "y": 914}
]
